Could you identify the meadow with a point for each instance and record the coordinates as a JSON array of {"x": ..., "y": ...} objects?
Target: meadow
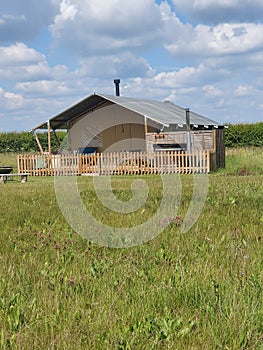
[{"x": 200, "y": 289}]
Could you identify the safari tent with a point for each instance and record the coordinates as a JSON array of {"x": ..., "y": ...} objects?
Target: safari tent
[{"x": 111, "y": 127}]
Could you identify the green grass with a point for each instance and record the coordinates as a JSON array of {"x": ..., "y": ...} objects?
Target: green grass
[
  {"x": 8, "y": 159},
  {"x": 196, "y": 290},
  {"x": 244, "y": 161}
]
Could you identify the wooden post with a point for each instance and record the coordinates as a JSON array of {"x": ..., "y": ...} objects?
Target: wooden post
[
  {"x": 145, "y": 132},
  {"x": 145, "y": 126},
  {"x": 49, "y": 137},
  {"x": 39, "y": 144},
  {"x": 18, "y": 164},
  {"x": 214, "y": 141},
  {"x": 49, "y": 149},
  {"x": 208, "y": 155}
]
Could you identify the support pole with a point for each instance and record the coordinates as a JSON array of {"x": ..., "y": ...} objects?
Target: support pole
[
  {"x": 49, "y": 138},
  {"x": 145, "y": 132},
  {"x": 38, "y": 143},
  {"x": 188, "y": 130},
  {"x": 145, "y": 127},
  {"x": 214, "y": 141}
]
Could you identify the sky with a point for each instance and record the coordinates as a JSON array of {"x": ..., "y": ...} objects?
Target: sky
[{"x": 205, "y": 55}]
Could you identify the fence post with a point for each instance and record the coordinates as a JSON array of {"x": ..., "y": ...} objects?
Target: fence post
[
  {"x": 208, "y": 161},
  {"x": 18, "y": 164}
]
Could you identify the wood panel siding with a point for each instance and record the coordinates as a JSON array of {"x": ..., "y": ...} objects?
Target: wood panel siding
[{"x": 200, "y": 140}]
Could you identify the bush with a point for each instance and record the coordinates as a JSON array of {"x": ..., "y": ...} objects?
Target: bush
[
  {"x": 25, "y": 141},
  {"x": 244, "y": 135}
]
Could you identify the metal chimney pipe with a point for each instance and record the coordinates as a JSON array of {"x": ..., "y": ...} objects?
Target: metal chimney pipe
[
  {"x": 117, "y": 86},
  {"x": 188, "y": 130}
]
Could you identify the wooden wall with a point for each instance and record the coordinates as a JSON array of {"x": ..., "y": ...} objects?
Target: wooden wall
[{"x": 201, "y": 140}]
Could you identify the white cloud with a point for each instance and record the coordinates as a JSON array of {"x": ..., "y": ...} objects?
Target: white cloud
[
  {"x": 224, "y": 39},
  {"x": 19, "y": 62},
  {"x": 67, "y": 13},
  {"x": 108, "y": 67},
  {"x": 220, "y": 11},
  {"x": 19, "y": 54},
  {"x": 211, "y": 90},
  {"x": 13, "y": 100},
  {"x": 222, "y": 3},
  {"x": 106, "y": 26},
  {"x": 10, "y": 100},
  {"x": 43, "y": 87},
  {"x": 18, "y": 19},
  {"x": 242, "y": 90}
]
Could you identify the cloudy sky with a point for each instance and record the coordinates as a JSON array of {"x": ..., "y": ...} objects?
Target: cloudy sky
[{"x": 203, "y": 54}]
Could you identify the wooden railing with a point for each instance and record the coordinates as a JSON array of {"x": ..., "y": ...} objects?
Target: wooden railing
[
  {"x": 117, "y": 163},
  {"x": 45, "y": 165}
]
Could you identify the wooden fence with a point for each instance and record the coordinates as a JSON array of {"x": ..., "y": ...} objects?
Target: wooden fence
[{"x": 121, "y": 163}]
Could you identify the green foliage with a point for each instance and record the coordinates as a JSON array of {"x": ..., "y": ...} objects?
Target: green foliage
[
  {"x": 25, "y": 141},
  {"x": 244, "y": 135}
]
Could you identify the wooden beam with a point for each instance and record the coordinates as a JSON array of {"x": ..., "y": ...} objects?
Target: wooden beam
[
  {"x": 214, "y": 141},
  {"x": 39, "y": 144},
  {"x": 145, "y": 127},
  {"x": 41, "y": 126}
]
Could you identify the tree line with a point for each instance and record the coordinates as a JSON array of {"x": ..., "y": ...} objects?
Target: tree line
[
  {"x": 244, "y": 135},
  {"x": 26, "y": 142}
]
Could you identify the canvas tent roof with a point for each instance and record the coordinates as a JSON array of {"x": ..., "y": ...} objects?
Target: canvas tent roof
[{"x": 165, "y": 113}]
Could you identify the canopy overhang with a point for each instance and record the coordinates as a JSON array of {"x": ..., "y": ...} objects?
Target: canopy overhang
[{"x": 163, "y": 113}]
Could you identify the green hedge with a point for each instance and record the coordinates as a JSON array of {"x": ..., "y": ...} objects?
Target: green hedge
[
  {"x": 26, "y": 142},
  {"x": 244, "y": 135}
]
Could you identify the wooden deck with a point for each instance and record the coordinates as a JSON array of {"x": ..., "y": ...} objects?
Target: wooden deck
[{"x": 122, "y": 163}]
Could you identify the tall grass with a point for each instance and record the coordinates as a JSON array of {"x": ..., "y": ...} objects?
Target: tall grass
[
  {"x": 196, "y": 290},
  {"x": 244, "y": 161}
]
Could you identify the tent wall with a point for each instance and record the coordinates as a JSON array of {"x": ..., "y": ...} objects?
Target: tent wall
[{"x": 112, "y": 128}]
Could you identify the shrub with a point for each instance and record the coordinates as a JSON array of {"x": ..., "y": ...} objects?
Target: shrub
[
  {"x": 25, "y": 141},
  {"x": 244, "y": 135}
]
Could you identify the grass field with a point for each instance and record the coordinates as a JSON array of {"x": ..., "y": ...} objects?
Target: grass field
[{"x": 196, "y": 290}]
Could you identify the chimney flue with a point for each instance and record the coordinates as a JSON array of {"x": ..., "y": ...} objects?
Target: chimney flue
[
  {"x": 117, "y": 86},
  {"x": 188, "y": 130}
]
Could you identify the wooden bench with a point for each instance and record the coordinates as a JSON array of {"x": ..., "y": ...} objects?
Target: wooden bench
[{"x": 4, "y": 177}]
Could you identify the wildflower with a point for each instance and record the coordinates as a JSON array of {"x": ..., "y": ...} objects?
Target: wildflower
[{"x": 71, "y": 280}]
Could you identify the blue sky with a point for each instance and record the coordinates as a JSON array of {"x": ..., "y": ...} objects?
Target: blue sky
[{"x": 202, "y": 54}]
